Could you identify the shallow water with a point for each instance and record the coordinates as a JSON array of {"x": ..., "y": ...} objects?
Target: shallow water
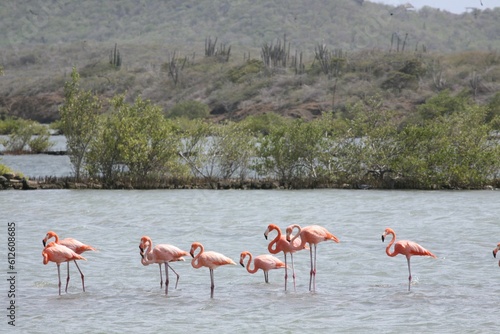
[{"x": 359, "y": 288}]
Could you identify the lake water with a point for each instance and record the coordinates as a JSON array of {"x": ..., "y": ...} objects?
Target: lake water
[
  {"x": 40, "y": 165},
  {"x": 359, "y": 288}
]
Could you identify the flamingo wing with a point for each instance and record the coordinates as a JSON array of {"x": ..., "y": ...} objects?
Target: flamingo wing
[
  {"x": 213, "y": 260},
  {"x": 315, "y": 234},
  {"x": 76, "y": 246},
  {"x": 58, "y": 253},
  {"x": 410, "y": 248},
  {"x": 267, "y": 262},
  {"x": 165, "y": 252}
]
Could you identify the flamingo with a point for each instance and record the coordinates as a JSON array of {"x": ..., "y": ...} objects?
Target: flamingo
[
  {"x": 211, "y": 260},
  {"x": 264, "y": 262},
  {"x": 406, "y": 248},
  {"x": 57, "y": 253},
  {"x": 280, "y": 244},
  {"x": 495, "y": 252},
  {"x": 313, "y": 235},
  {"x": 161, "y": 254},
  {"x": 73, "y": 244}
]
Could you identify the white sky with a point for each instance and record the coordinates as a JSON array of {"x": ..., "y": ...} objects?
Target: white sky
[{"x": 454, "y": 6}]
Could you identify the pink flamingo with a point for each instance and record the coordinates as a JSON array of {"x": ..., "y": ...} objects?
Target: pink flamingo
[
  {"x": 312, "y": 235},
  {"x": 211, "y": 260},
  {"x": 161, "y": 254},
  {"x": 495, "y": 252},
  {"x": 406, "y": 248},
  {"x": 57, "y": 253},
  {"x": 264, "y": 262},
  {"x": 73, "y": 244},
  {"x": 280, "y": 244}
]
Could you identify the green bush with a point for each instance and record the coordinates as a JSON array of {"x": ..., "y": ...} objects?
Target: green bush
[
  {"x": 8, "y": 125},
  {"x": 189, "y": 109},
  {"x": 237, "y": 74},
  {"x": 28, "y": 135}
]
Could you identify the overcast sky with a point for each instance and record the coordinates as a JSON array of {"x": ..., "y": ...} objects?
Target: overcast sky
[{"x": 454, "y": 6}]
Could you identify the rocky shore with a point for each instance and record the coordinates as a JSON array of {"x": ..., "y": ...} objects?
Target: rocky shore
[{"x": 15, "y": 182}]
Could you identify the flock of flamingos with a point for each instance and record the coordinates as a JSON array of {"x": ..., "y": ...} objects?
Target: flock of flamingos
[{"x": 69, "y": 249}]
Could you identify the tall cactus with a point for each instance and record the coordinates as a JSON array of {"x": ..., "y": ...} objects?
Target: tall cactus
[{"x": 115, "y": 58}]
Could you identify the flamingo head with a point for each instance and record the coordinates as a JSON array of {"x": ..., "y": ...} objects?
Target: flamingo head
[
  {"x": 242, "y": 257},
  {"x": 270, "y": 227},
  {"x": 194, "y": 247},
  {"x": 387, "y": 232},
  {"x": 289, "y": 231},
  {"x": 49, "y": 235},
  {"x": 495, "y": 252}
]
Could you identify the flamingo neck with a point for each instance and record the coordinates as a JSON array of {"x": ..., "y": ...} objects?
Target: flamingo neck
[
  {"x": 254, "y": 270},
  {"x": 272, "y": 247},
  {"x": 388, "y": 248},
  {"x": 292, "y": 240},
  {"x": 195, "y": 262},
  {"x": 148, "y": 252}
]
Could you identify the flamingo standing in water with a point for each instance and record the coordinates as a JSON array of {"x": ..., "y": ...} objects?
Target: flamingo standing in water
[
  {"x": 312, "y": 235},
  {"x": 264, "y": 262},
  {"x": 161, "y": 254},
  {"x": 211, "y": 260},
  {"x": 280, "y": 244},
  {"x": 495, "y": 252},
  {"x": 73, "y": 244},
  {"x": 57, "y": 253},
  {"x": 406, "y": 248}
]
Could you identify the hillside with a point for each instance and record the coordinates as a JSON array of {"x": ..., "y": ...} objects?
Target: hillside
[{"x": 372, "y": 45}]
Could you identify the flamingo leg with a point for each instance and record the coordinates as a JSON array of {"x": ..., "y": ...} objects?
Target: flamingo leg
[
  {"x": 166, "y": 278},
  {"x": 293, "y": 273},
  {"x": 266, "y": 276},
  {"x": 67, "y": 279},
  {"x": 161, "y": 276},
  {"x": 177, "y": 281},
  {"x": 212, "y": 285},
  {"x": 286, "y": 271},
  {"x": 314, "y": 269},
  {"x": 81, "y": 275},
  {"x": 409, "y": 273},
  {"x": 59, "y": 276}
]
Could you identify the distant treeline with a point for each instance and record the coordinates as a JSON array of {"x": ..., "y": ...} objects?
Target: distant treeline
[{"x": 455, "y": 147}]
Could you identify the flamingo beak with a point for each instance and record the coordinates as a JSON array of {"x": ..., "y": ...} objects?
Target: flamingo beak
[
  {"x": 495, "y": 252},
  {"x": 192, "y": 254},
  {"x": 44, "y": 242},
  {"x": 242, "y": 264},
  {"x": 383, "y": 238}
]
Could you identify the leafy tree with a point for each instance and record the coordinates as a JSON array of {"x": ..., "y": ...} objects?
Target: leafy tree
[
  {"x": 104, "y": 156},
  {"x": 79, "y": 120},
  {"x": 290, "y": 151},
  {"x": 340, "y": 155},
  {"x": 218, "y": 151},
  {"x": 150, "y": 144},
  {"x": 452, "y": 151},
  {"x": 232, "y": 147},
  {"x": 134, "y": 140},
  {"x": 195, "y": 140}
]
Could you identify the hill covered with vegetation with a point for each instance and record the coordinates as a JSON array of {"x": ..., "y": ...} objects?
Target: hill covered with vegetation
[{"x": 238, "y": 58}]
